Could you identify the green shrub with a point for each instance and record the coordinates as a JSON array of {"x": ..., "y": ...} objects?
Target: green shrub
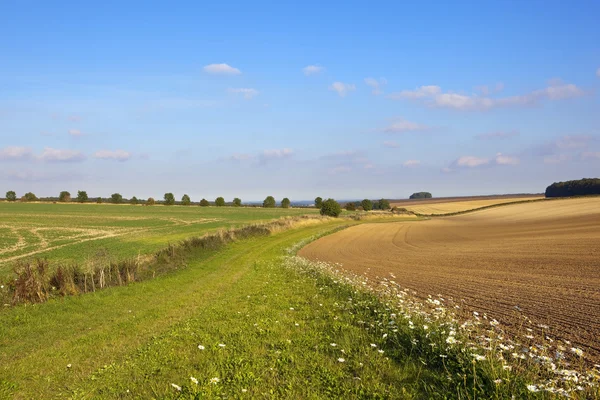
[
  {"x": 350, "y": 206},
  {"x": 367, "y": 204},
  {"x": 64, "y": 197},
  {"x": 204, "y": 203},
  {"x": 318, "y": 202},
  {"x": 285, "y": 203},
  {"x": 219, "y": 202},
  {"x": 11, "y": 195},
  {"x": 331, "y": 208},
  {"x": 82, "y": 196},
  {"x": 150, "y": 201},
  {"x": 116, "y": 198},
  {"x": 269, "y": 202},
  {"x": 169, "y": 199},
  {"x": 237, "y": 202},
  {"x": 185, "y": 200},
  {"x": 29, "y": 197}
]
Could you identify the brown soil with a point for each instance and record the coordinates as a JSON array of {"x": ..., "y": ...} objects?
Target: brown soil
[{"x": 542, "y": 257}]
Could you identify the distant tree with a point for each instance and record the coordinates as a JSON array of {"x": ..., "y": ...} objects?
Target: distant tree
[
  {"x": 64, "y": 197},
  {"x": 99, "y": 200},
  {"x": 134, "y": 200},
  {"x": 116, "y": 198},
  {"x": 382, "y": 204},
  {"x": 420, "y": 195},
  {"x": 204, "y": 203},
  {"x": 29, "y": 197},
  {"x": 367, "y": 204},
  {"x": 318, "y": 202},
  {"x": 82, "y": 196},
  {"x": 219, "y": 202},
  {"x": 350, "y": 206},
  {"x": 11, "y": 195},
  {"x": 331, "y": 208},
  {"x": 269, "y": 202},
  {"x": 579, "y": 187},
  {"x": 285, "y": 203},
  {"x": 237, "y": 202},
  {"x": 169, "y": 199},
  {"x": 185, "y": 200},
  {"x": 150, "y": 201}
]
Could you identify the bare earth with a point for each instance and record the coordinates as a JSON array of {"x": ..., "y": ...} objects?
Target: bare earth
[
  {"x": 458, "y": 204},
  {"x": 543, "y": 257}
]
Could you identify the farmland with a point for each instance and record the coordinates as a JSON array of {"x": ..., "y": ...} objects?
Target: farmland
[
  {"x": 541, "y": 258},
  {"x": 459, "y": 204},
  {"x": 76, "y": 232}
]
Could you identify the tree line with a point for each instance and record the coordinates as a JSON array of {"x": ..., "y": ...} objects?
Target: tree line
[{"x": 581, "y": 187}]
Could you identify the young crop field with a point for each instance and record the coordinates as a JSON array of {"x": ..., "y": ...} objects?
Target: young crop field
[
  {"x": 538, "y": 259},
  {"x": 77, "y": 232},
  {"x": 458, "y": 204}
]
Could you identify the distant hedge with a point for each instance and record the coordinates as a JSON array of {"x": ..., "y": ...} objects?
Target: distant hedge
[
  {"x": 580, "y": 187},
  {"x": 420, "y": 195}
]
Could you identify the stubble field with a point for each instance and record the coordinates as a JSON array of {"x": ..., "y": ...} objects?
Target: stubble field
[
  {"x": 541, "y": 259},
  {"x": 450, "y": 205},
  {"x": 77, "y": 232}
]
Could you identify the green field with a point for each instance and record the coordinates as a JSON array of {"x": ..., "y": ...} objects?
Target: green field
[{"x": 77, "y": 232}]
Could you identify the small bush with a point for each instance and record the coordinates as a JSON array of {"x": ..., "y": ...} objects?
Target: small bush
[
  {"x": 285, "y": 203},
  {"x": 185, "y": 200},
  {"x": 11, "y": 195},
  {"x": 134, "y": 200},
  {"x": 367, "y": 204},
  {"x": 116, "y": 198},
  {"x": 150, "y": 201},
  {"x": 350, "y": 206},
  {"x": 237, "y": 202},
  {"x": 204, "y": 203},
  {"x": 331, "y": 208},
  {"x": 219, "y": 202},
  {"x": 64, "y": 197},
  {"x": 318, "y": 202},
  {"x": 82, "y": 196},
  {"x": 169, "y": 199}
]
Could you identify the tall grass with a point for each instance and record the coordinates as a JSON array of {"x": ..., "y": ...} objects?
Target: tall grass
[{"x": 35, "y": 281}]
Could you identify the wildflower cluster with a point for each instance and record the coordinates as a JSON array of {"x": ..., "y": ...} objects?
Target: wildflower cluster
[{"x": 476, "y": 352}]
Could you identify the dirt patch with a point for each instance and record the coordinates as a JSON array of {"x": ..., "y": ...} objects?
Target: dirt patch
[{"x": 542, "y": 258}]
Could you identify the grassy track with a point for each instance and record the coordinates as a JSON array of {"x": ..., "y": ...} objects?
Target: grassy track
[
  {"x": 76, "y": 232},
  {"x": 133, "y": 342}
]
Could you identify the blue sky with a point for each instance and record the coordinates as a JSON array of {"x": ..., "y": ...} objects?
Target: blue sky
[{"x": 344, "y": 100}]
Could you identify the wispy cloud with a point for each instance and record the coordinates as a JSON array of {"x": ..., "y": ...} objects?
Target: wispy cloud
[
  {"x": 401, "y": 125},
  {"x": 487, "y": 90},
  {"x": 411, "y": 163},
  {"x": 502, "y": 159},
  {"x": 433, "y": 96},
  {"x": 61, "y": 155},
  {"x": 342, "y": 88},
  {"x": 248, "y": 93},
  {"x": 376, "y": 85},
  {"x": 471, "y": 161},
  {"x": 14, "y": 153},
  {"x": 312, "y": 69},
  {"x": 556, "y": 158},
  {"x": 391, "y": 144},
  {"x": 117, "y": 155},
  {"x": 573, "y": 141},
  {"x": 75, "y": 132},
  {"x": 221, "y": 69},
  {"x": 586, "y": 155},
  {"x": 497, "y": 135},
  {"x": 275, "y": 154}
]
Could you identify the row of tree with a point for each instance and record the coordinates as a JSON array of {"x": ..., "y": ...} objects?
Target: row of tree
[
  {"x": 581, "y": 187},
  {"x": 168, "y": 199},
  {"x": 365, "y": 205}
]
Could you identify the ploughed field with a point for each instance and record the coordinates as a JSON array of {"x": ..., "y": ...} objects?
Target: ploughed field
[
  {"x": 541, "y": 259},
  {"x": 78, "y": 232},
  {"x": 450, "y": 205}
]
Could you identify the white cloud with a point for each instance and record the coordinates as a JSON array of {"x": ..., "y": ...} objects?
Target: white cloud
[
  {"x": 15, "y": 153},
  {"x": 248, "y": 93},
  {"x": 221, "y": 69},
  {"x": 57, "y": 155},
  {"x": 241, "y": 157},
  {"x": 312, "y": 69},
  {"x": 502, "y": 159},
  {"x": 590, "y": 154},
  {"x": 75, "y": 132},
  {"x": 342, "y": 169},
  {"x": 433, "y": 96},
  {"x": 573, "y": 141},
  {"x": 342, "y": 88},
  {"x": 471, "y": 161},
  {"x": 275, "y": 154},
  {"x": 556, "y": 158},
  {"x": 497, "y": 135},
  {"x": 411, "y": 163},
  {"x": 376, "y": 85},
  {"x": 118, "y": 155},
  {"x": 402, "y": 125},
  {"x": 391, "y": 144}
]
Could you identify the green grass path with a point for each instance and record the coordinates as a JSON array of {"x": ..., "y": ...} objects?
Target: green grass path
[{"x": 133, "y": 342}]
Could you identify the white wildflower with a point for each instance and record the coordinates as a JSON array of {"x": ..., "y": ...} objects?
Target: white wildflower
[
  {"x": 333, "y": 344},
  {"x": 221, "y": 345},
  {"x": 201, "y": 347},
  {"x": 214, "y": 381},
  {"x": 194, "y": 380},
  {"x": 577, "y": 351},
  {"x": 373, "y": 345},
  {"x": 532, "y": 388},
  {"x": 178, "y": 388},
  {"x": 341, "y": 360}
]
